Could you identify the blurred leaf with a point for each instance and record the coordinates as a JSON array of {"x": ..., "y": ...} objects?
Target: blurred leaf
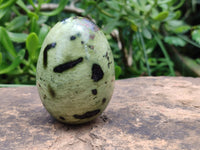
[
  {"x": 3, "y": 12},
  {"x": 34, "y": 25},
  {"x": 43, "y": 32},
  {"x": 165, "y": 1},
  {"x": 148, "y": 8},
  {"x": 42, "y": 19},
  {"x": 6, "y": 42},
  {"x": 17, "y": 37},
  {"x": 110, "y": 26},
  {"x": 32, "y": 45},
  {"x": 161, "y": 16},
  {"x": 150, "y": 45},
  {"x": 175, "y": 23},
  {"x": 138, "y": 4},
  {"x": 146, "y": 33},
  {"x": 17, "y": 23},
  {"x": 174, "y": 40},
  {"x": 118, "y": 71},
  {"x": 56, "y": 11},
  {"x": 14, "y": 64},
  {"x": 113, "y": 5},
  {"x": 0, "y": 58},
  {"x": 177, "y": 14},
  {"x": 182, "y": 29},
  {"x": 7, "y": 4},
  {"x": 198, "y": 61},
  {"x": 23, "y": 6},
  {"x": 152, "y": 62},
  {"x": 196, "y": 35},
  {"x": 142, "y": 3},
  {"x": 134, "y": 3},
  {"x": 164, "y": 7},
  {"x": 134, "y": 27},
  {"x": 133, "y": 24}
]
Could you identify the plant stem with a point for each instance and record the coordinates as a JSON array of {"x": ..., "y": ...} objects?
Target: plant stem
[
  {"x": 188, "y": 40},
  {"x": 146, "y": 15},
  {"x": 165, "y": 54},
  {"x": 123, "y": 49},
  {"x": 104, "y": 12},
  {"x": 145, "y": 54},
  {"x": 7, "y": 4},
  {"x": 179, "y": 4}
]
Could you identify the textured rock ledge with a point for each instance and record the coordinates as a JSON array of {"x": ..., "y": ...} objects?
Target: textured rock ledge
[{"x": 144, "y": 113}]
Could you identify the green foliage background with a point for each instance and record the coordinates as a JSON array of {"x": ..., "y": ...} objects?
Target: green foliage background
[{"x": 147, "y": 37}]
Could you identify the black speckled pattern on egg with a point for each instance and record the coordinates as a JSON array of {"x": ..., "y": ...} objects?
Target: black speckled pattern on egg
[
  {"x": 73, "y": 38},
  {"x": 63, "y": 67},
  {"x": 104, "y": 100},
  {"x": 51, "y": 91},
  {"x": 94, "y": 91},
  {"x": 62, "y": 118},
  {"x": 88, "y": 114},
  {"x": 75, "y": 71},
  {"x": 48, "y": 47},
  {"x": 97, "y": 72}
]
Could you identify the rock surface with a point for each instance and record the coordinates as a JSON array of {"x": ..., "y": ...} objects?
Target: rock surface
[{"x": 144, "y": 113}]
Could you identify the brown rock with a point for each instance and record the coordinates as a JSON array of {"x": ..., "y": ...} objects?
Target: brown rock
[{"x": 144, "y": 113}]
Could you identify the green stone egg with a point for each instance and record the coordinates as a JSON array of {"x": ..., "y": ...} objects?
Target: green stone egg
[{"x": 75, "y": 71}]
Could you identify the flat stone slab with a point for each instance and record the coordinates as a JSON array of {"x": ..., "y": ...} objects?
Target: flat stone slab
[{"x": 144, "y": 113}]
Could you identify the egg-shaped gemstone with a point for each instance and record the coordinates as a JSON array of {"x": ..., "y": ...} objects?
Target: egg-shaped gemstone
[{"x": 75, "y": 71}]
